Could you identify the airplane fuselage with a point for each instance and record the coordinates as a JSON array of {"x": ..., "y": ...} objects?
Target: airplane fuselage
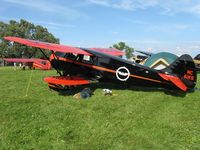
[{"x": 108, "y": 68}]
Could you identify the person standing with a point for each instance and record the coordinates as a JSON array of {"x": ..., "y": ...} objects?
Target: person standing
[{"x": 15, "y": 65}]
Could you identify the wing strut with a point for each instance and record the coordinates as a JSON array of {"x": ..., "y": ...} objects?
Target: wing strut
[
  {"x": 72, "y": 64},
  {"x": 50, "y": 61}
]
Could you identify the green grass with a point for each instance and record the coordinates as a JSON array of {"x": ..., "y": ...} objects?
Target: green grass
[{"x": 131, "y": 119}]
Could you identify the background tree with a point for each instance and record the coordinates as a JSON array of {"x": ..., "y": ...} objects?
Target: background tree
[
  {"x": 123, "y": 47},
  {"x": 23, "y": 29}
]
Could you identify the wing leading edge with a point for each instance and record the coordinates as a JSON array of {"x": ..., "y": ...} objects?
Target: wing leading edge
[
  {"x": 48, "y": 46},
  {"x": 62, "y": 48}
]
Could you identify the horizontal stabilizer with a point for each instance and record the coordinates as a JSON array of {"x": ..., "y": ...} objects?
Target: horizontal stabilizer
[{"x": 174, "y": 80}]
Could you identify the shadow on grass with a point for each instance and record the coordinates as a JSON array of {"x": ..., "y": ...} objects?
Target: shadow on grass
[{"x": 93, "y": 87}]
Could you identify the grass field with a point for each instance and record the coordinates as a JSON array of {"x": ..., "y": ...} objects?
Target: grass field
[{"x": 37, "y": 118}]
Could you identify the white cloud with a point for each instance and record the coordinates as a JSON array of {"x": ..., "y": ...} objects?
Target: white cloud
[
  {"x": 49, "y": 7},
  {"x": 47, "y": 24},
  {"x": 125, "y": 4},
  {"x": 181, "y": 26},
  {"x": 167, "y": 28},
  {"x": 187, "y": 49},
  {"x": 160, "y": 27},
  {"x": 115, "y": 33},
  {"x": 99, "y": 2},
  {"x": 54, "y": 24},
  {"x": 137, "y": 22},
  {"x": 178, "y": 48},
  {"x": 168, "y": 7},
  {"x": 194, "y": 9},
  {"x": 33, "y": 4}
]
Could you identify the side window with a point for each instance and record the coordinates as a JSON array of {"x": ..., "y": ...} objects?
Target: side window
[{"x": 87, "y": 59}]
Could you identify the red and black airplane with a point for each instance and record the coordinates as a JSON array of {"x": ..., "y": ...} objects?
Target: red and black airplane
[
  {"x": 32, "y": 63},
  {"x": 79, "y": 66}
]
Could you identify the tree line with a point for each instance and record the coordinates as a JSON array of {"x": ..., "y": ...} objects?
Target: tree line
[
  {"x": 23, "y": 29},
  {"x": 28, "y": 30}
]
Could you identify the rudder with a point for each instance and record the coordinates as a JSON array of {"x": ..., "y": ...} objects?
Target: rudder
[{"x": 184, "y": 68}]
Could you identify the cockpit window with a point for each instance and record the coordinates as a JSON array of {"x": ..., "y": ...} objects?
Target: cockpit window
[{"x": 81, "y": 58}]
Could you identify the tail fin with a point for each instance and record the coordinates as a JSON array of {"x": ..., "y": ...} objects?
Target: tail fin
[{"x": 184, "y": 68}]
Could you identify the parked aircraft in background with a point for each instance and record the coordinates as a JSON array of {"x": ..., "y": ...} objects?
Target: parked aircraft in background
[{"x": 32, "y": 63}]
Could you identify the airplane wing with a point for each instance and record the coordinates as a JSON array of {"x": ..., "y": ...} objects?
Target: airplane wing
[
  {"x": 48, "y": 46},
  {"x": 62, "y": 48},
  {"x": 24, "y": 60},
  {"x": 110, "y": 51}
]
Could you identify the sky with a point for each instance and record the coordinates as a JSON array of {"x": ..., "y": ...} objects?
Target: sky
[{"x": 148, "y": 25}]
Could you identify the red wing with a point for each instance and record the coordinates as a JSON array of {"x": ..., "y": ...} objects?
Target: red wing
[
  {"x": 24, "y": 60},
  {"x": 63, "y": 48},
  {"x": 61, "y": 80},
  {"x": 110, "y": 51},
  {"x": 46, "y": 45}
]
